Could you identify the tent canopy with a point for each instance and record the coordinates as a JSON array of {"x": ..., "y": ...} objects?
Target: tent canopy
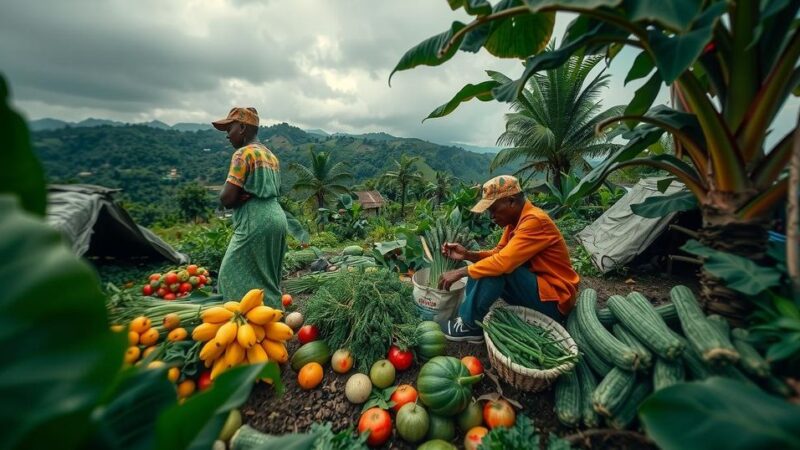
[
  {"x": 96, "y": 226},
  {"x": 619, "y": 235}
]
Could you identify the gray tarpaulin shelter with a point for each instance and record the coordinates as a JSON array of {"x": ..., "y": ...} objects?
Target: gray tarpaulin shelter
[
  {"x": 96, "y": 226},
  {"x": 619, "y": 235}
]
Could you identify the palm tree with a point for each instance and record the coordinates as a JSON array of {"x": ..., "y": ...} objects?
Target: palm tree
[
  {"x": 553, "y": 126},
  {"x": 403, "y": 176},
  {"x": 321, "y": 179},
  {"x": 439, "y": 188}
]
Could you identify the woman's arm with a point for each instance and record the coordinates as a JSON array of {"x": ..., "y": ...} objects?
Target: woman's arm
[{"x": 232, "y": 196}]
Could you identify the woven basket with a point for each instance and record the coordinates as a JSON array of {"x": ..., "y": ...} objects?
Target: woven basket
[{"x": 523, "y": 378}]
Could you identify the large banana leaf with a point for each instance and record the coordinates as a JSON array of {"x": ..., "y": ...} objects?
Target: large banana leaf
[
  {"x": 655, "y": 207},
  {"x": 738, "y": 273},
  {"x": 720, "y": 413},
  {"x": 427, "y": 52}
]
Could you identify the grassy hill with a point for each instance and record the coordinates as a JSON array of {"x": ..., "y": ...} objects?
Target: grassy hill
[{"x": 150, "y": 163}]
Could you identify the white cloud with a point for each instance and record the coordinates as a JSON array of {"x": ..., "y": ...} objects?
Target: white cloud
[{"x": 313, "y": 63}]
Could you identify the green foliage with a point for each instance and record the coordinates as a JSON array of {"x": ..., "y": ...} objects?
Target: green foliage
[
  {"x": 521, "y": 436},
  {"x": 364, "y": 312},
  {"x": 194, "y": 202},
  {"x": 346, "y": 439},
  {"x": 464, "y": 198},
  {"x": 404, "y": 175},
  {"x": 582, "y": 262},
  {"x": 731, "y": 414},
  {"x": 325, "y": 239},
  {"x": 777, "y": 328},
  {"x": 554, "y": 120},
  {"x": 321, "y": 179},
  {"x": 23, "y": 176},
  {"x": 205, "y": 244},
  {"x": 738, "y": 273}
]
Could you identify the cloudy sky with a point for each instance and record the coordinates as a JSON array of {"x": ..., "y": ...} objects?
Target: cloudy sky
[{"x": 312, "y": 63}]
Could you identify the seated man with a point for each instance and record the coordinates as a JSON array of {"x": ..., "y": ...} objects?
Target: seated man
[{"x": 530, "y": 266}]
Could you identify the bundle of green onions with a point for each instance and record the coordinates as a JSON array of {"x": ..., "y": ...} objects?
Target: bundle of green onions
[
  {"x": 449, "y": 229},
  {"x": 124, "y": 306},
  {"x": 526, "y": 344}
]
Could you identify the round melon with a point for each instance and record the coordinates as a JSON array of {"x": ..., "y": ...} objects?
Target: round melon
[
  {"x": 358, "y": 388},
  {"x": 315, "y": 351}
]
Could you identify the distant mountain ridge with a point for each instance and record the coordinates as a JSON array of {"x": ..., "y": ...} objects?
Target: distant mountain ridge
[
  {"x": 47, "y": 124},
  {"x": 148, "y": 161}
]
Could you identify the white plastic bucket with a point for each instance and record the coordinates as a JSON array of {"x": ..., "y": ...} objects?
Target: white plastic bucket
[{"x": 435, "y": 304}]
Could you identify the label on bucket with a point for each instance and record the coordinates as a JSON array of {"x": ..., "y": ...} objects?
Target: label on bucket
[{"x": 433, "y": 304}]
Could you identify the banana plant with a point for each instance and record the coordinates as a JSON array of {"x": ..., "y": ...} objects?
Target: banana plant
[{"x": 730, "y": 67}]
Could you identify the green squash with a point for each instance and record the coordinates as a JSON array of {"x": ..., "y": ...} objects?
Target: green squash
[
  {"x": 470, "y": 417},
  {"x": 445, "y": 385},
  {"x": 353, "y": 250},
  {"x": 437, "y": 444},
  {"x": 412, "y": 422},
  {"x": 314, "y": 351},
  {"x": 431, "y": 340},
  {"x": 441, "y": 428}
]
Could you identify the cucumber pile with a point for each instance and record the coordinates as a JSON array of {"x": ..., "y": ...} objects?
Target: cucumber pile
[{"x": 631, "y": 348}]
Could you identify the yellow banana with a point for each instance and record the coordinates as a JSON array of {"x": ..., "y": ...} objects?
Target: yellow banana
[
  {"x": 278, "y": 331},
  {"x": 250, "y": 300},
  {"x": 259, "y": 330},
  {"x": 216, "y": 314},
  {"x": 246, "y": 336},
  {"x": 218, "y": 367},
  {"x": 211, "y": 350},
  {"x": 262, "y": 315},
  {"x": 205, "y": 331},
  {"x": 234, "y": 354},
  {"x": 226, "y": 334},
  {"x": 275, "y": 350},
  {"x": 256, "y": 354},
  {"x": 231, "y": 306}
]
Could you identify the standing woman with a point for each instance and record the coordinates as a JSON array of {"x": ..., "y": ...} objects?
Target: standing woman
[{"x": 255, "y": 254}]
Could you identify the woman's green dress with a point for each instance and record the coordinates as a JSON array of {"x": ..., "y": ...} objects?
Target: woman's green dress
[{"x": 255, "y": 254}]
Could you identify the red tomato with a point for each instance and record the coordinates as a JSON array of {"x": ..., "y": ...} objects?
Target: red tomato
[
  {"x": 499, "y": 414},
  {"x": 202, "y": 279},
  {"x": 308, "y": 333},
  {"x": 405, "y": 393},
  {"x": 169, "y": 296},
  {"x": 185, "y": 287},
  {"x": 192, "y": 269},
  {"x": 161, "y": 292},
  {"x": 473, "y": 365},
  {"x": 400, "y": 359},
  {"x": 379, "y": 425},
  {"x": 155, "y": 277},
  {"x": 147, "y": 290},
  {"x": 286, "y": 300},
  {"x": 171, "y": 278},
  {"x": 204, "y": 382}
]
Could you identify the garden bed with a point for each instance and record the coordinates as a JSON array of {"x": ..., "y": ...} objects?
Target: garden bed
[{"x": 297, "y": 409}]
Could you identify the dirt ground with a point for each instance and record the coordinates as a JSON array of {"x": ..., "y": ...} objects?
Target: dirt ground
[{"x": 296, "y": 410}]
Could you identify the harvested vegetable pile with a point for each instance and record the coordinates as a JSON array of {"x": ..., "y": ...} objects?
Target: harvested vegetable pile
[
  {"x": 526, "y": 344},
  {"x": 364, "y": 312}
]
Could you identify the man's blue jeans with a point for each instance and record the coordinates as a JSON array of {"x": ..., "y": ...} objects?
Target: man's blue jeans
[{"x": 519, "y": 287}]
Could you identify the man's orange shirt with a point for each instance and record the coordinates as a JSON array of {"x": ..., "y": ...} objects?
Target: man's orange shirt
[{"x": 536, "y": 241}]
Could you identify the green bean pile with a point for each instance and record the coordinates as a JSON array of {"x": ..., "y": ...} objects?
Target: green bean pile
[{"x": 526, "y": 344}]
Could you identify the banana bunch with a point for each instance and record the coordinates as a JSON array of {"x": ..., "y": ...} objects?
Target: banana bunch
[{"x": 244, "y": 332}]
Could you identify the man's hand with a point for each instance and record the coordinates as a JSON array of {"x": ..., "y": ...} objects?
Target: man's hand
[
  {"x": 448, "y": 278},
  {"x": 454, "y": 251},
  {"x": 244, "y": 197}
]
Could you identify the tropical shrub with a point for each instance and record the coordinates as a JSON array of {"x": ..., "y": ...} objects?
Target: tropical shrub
[{"x": 743, "y": 54}]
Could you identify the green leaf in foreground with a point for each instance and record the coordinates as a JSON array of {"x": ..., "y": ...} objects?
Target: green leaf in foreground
[
  {"x": 426, "y": 53},
  {"x": 481, "y": 91},
  {"x": 59, "y": 353},
  {"x": 660, "y": 206},
  {"x": 730, "y": 414}
]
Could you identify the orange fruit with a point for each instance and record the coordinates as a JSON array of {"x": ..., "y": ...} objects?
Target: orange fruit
[
  {"x": 172, "y": 321},
  {"x": 140, "y": 324},
  {"x": 149, "y": 337},
  {"x": 310, "y": 376},
  {"x": 178, "y": 334},
  {"x": 148, "y": 350},
  {"x": 133, "y": 338},
  {"x": 173, "y": 374},
  {"x": 132, "y": 354},
  {"x": 186, "y": 388}
]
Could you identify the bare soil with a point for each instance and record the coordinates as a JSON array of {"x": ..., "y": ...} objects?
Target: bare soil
[{"x": 297, "y": 409}]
